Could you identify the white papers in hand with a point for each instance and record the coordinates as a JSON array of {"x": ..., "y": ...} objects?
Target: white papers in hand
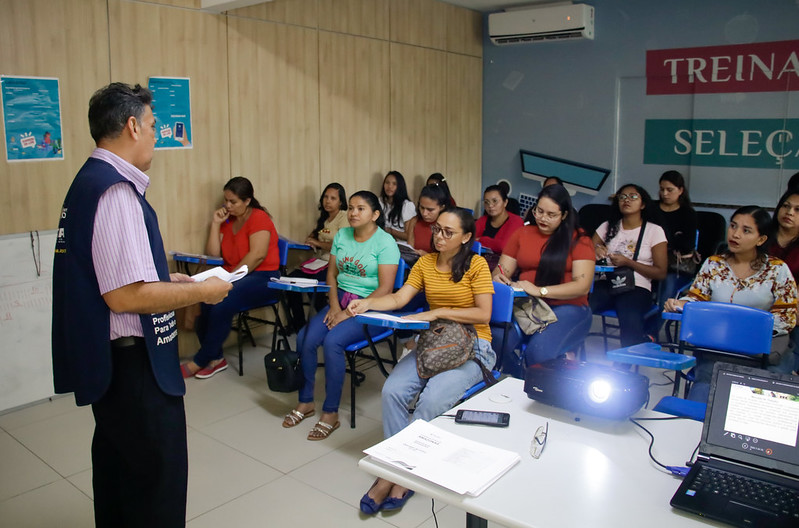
[
  {"x": 221, "y": 273},
  {"x": 297, "y": 281},
  {"x": 387, "y": 317},
  {"x": 456, "y": 463}
]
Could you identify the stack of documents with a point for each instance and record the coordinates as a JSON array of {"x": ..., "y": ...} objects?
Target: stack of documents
[
  {"x": 297, "y": 281},
  {"x": 456, "y": 463},
  {"x": 221, "y": 273}
]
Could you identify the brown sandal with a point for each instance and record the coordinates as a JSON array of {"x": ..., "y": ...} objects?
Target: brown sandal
[
  {"x": 295, "y": 417},
  {"x": 322, "y": 430}
]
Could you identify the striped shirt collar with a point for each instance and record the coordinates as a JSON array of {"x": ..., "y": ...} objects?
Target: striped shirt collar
[{"x": 140, "y": 180}]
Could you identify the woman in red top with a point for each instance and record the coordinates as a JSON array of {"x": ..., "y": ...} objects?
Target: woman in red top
[
  {"x": 556, "y": 263},
  {"x": 496, "y": 226},
  {"x": 432, "y": 201},
  {"x": 242, "y": 233},
  {"x": 784, "y": 244}
]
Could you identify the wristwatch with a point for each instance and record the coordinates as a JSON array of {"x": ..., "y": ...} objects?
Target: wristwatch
[{"x": 543, "y": 291}]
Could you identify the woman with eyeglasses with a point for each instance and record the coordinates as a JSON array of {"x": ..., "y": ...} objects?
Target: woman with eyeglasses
[
  {"x": 556, "y": 263},
  {"x": 630, "y": 226},
  {"x": 458, "y": 287},
  {"x": 496, "y": 226},
  {"x": 745, "y": 274}
]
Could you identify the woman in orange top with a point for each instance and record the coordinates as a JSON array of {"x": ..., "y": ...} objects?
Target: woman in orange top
[{"x": 242, "y": 233}]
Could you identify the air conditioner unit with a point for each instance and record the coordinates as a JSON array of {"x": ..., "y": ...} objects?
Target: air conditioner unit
[{"x": 557, "y": 22}]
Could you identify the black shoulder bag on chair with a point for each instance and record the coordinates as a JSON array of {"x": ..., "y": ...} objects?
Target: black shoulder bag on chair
[{"x": 622, "y": 279}]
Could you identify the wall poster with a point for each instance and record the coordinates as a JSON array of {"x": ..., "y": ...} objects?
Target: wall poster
[
  {"x": 32, "y": 118},
  {"x": 172, "y": 110}
]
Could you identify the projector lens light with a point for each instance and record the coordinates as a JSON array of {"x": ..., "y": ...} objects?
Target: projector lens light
[{"x": 599, "y": 391}]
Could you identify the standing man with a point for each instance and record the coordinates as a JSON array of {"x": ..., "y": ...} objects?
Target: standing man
[{"x": 114, "y": 331}]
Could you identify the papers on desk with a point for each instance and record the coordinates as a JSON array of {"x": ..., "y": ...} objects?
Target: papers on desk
[
  {"x": 297, "y": 281},
  {"x": 456, "y": 463},
  {"x": 221, "y": 273}
]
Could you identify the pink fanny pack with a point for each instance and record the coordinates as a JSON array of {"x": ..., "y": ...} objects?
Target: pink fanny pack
[{"x": 346, "y": 298}]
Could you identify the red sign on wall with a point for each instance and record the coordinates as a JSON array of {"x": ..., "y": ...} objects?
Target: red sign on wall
[{"x": 761, "y": 67}]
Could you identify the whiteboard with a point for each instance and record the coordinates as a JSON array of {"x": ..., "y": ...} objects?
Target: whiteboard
[{"x": 26, "y": 301}]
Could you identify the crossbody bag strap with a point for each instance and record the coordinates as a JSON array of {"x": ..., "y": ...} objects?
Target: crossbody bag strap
[{"x": 640, "y": 238}]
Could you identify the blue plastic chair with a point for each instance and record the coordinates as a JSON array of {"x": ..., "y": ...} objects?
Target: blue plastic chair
[
  {"x": 243, "y": 318},
  {"x": 477, "y": 247},
  {"x": 501, "y": 315},
  {"x": 356, "y": 350}
]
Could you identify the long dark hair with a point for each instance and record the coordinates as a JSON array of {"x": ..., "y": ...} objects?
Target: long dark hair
[
  {"x": 463, "y": 258},
  {"x": 647, "y": 213},
  {"x": 435, "y": 193},
  {"x": 763, "y": 223},
  {"x": 552, "y": 266},
  {"x": 675, "y": 178},
  {"x": 398, "y": 200},
  {"x": 371, "y": 198},
  {"x": 775, "y": 220},
  {"x": 242, "y": 188},
  {"x": 439, "y": 180},
  {"x": 324, "y": 215}
]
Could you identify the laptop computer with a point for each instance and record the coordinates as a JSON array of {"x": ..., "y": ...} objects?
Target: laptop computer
[{"x": 747, "y": 470}]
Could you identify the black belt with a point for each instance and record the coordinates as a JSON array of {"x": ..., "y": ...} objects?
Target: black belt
[{"x": 125, "y": 342}]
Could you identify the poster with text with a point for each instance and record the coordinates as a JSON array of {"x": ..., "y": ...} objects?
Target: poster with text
[
  {"x": 172, "y": 110},
  {"x": 32, "y": 118}
]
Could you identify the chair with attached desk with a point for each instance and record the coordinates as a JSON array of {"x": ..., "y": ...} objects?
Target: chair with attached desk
[
  {"x": 731, "y": 332},
  {"x": 356, "y": 350},
  {"x": 243, "y": 319}
]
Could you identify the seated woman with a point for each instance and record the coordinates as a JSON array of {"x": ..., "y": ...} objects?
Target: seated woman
[
  {"x": 746, "y": 275},
  {"x": 396, "y": 206},
  {"x": 438, "y": 179},
  {"x": 242, "y": 233},
  {"x": 457, "y": 285},
  {"x": 332, "y": 217},
  {"x": 616, "y": 241},
  {"x": 432, "y": 200},
  {"x": 556, "y": 261},
  {"x": 784, "y": 245},
  {"x": 497, "y": 225},
  {"x": 363, "y": 263},
  {"x": 678, "y": 220}
]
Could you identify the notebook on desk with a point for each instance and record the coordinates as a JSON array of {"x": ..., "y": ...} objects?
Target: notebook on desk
[{"x": 747, "y": 471}]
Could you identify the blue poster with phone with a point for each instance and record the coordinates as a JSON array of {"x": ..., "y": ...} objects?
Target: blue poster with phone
[
  {"x": 172, "y": 111},
  {"x": 32, "y": 118}
]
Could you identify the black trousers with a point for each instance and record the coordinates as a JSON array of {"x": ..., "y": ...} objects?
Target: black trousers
[{"x": 139, "y": 452}]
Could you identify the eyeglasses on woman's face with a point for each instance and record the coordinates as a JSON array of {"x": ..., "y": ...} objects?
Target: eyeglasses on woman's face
[
  {"x": 631, "y": 196},
  {"x": 551, "y": 215},
  {"x": 444, "y": 232}
]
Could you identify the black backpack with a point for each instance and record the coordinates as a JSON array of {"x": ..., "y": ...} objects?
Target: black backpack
[{"x": 283, "y": 370}]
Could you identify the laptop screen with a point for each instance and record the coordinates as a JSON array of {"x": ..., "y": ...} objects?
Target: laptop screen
[{"x": 753, "y": 417}]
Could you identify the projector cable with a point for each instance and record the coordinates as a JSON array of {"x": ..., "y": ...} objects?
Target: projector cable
[{"x": 679, "y": 471}]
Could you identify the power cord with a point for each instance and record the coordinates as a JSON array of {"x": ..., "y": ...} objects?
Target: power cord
[
  {"x": 433, "y": 509},
  {"x": 679, "y": 471}
]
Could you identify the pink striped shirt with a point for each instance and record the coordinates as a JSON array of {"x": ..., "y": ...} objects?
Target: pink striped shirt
[{"x": 120, "y": 248}]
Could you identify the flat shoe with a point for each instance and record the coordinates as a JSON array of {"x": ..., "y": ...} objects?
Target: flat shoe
[
  {"x": 295, "y": 417},
  {"x": 207, "y": 372},
  {"x": 393, "y": 503},
  {"x": 322, "y": 430},
  {"x": 368, "y": 504}
]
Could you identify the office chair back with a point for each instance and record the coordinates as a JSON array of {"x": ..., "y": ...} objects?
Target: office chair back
[
  {"x": 399, "y": 279},
  {"x": 591, "y": 216},
  {"x": 712, "y": 233},
  {"x": 477, "y": 247},
  {"x": 727, "y": 327}
]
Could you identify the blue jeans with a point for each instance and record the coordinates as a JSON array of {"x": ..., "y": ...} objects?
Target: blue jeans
[
  {"x": 334, "y": 341},
  {"x": 436, "y": 395},
  {"x": 567, "y": 333},
  {"x": 213, "y": 324},
  {"x": 630, "y": 308}
]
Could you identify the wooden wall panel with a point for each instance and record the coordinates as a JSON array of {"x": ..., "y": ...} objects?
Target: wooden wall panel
[
  {"x": 296, "y": 12},
  {"x": 464, "y": 31},
  {"x": 420, "y": 23},
  {"x": 191, "y": 4},
  {"x": 150, "y": 40},
  {"x": 368, "y": 18},
  {"x": 419, "y": 115},
  {"x": 67, "y": 40},
  {"x": 354, "y": 111},
  {"x": 274, "y": 117},
  {"x": 464, "y": 126}
]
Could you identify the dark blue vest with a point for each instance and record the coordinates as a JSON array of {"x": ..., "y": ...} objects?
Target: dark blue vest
[{"x": 81, "y": 333}]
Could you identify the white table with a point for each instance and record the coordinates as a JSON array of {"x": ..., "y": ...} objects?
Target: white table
[{"x": 592, "y": 472}]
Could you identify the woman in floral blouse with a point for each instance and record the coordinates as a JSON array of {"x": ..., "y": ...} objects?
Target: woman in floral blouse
[{"x": 745, "y": 275}]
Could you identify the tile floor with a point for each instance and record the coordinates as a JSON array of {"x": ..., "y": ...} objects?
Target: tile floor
[{"x": 244, "y": 468}]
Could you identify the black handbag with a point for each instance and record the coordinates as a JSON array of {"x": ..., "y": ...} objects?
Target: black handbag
[
  {"x": 622, "y": 279},
  {"x": 686, "y": 264},
  {"x": 283, "y": 370}
]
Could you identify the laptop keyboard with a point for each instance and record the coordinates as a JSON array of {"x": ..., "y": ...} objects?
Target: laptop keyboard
[{"x": 778, "y": 499}]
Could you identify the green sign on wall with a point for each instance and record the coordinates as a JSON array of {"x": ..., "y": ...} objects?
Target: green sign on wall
[{"x": 751, "y": 143}]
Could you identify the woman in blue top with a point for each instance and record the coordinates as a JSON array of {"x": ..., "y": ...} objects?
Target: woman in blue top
[{"x": 363, "y": 263}]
